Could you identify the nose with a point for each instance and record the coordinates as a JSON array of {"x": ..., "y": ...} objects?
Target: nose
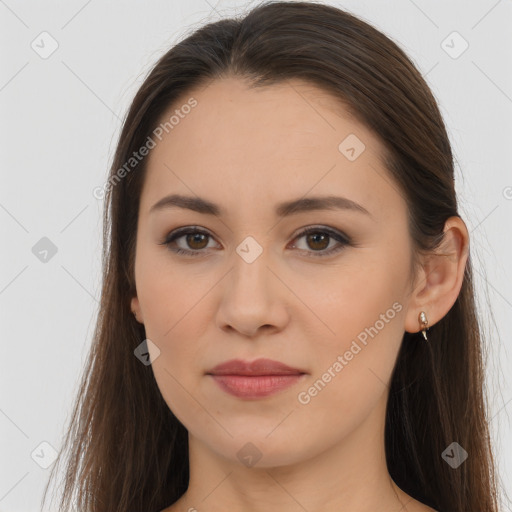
[{"x": 254, "y": 298}]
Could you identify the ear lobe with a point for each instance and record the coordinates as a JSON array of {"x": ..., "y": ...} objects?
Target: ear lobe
[{"x": 441, "y": 276}]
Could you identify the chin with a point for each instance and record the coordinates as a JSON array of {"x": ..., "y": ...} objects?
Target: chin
[{"x": 254, "y": 448}]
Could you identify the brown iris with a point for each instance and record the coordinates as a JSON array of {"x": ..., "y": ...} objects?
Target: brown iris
[
  {"x": 193, "y": 238},
  {"x": 318, "y": 238}
]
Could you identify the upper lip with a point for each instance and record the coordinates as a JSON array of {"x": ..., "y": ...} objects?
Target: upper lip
[{"x": 257, "y": 367}]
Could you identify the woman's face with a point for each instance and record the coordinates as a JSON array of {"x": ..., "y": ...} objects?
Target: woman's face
[{"x": 250, "y": 284}]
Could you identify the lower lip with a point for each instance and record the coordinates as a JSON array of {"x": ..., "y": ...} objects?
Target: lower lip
[{"x": 259, "y": 386}]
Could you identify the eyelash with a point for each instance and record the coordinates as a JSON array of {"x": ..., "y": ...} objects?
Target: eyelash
[{"x": 339, "y": 237}]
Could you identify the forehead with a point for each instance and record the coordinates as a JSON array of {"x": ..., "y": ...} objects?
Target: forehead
[{"x": 269, "y": 143}]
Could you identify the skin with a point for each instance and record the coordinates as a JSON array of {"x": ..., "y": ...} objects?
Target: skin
[{"x": 247, "y": 150}]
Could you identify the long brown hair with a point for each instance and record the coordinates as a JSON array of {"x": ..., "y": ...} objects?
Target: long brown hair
[{"x": 126, "y": 449}]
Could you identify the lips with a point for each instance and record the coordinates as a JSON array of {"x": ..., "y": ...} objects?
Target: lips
[
  {"x": 259, "y": 367},
  {"x": 256, "y": 379}
]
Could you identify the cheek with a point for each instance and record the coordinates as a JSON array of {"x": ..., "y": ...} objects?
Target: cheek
[
  {"x": 355, "y": 298},
  {"x": 172, "y": 318},
  {"x": 172, "y": 308},
  {"x": 352, "y": 369},
  {"x": 364, "y": 311},
  {"x": 166, "y": 296}
]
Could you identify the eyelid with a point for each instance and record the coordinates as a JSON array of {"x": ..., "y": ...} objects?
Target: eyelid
[
  {"x": 315, "y": 228},
  {"x": 185, "y": 230}
]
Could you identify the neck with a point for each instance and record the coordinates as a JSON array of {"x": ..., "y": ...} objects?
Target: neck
[{"x": 351, "y": 476}]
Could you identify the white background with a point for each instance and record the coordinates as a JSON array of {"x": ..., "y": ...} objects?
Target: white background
[{"x": 60, "y": 118}]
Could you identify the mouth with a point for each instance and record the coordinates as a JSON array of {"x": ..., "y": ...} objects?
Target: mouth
[{"x": 256, "y": 379}]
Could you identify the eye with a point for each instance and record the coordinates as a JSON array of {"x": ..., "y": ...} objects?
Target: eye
[
  {"x": 192, "y": 237},
  {"x": 318, "y": 238}
]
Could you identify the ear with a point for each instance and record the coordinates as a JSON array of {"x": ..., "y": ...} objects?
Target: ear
[
  {"x": 135, "y": 307},
  {"x": 439, "y": 281}
]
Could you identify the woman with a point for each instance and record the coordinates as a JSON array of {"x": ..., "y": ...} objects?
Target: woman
[{"x": 287, "y": 318}]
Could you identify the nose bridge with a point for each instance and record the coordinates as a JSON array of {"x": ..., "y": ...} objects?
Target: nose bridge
[
  {"x": 250, "y": 274},
  {"x": 250, "y": 298}
]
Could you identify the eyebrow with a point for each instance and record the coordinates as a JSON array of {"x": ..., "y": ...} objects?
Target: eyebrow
[{"x": 200, "y": 205}]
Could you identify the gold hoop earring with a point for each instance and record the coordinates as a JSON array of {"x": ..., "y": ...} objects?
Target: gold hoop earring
[{"x": 422, "y": 319}]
